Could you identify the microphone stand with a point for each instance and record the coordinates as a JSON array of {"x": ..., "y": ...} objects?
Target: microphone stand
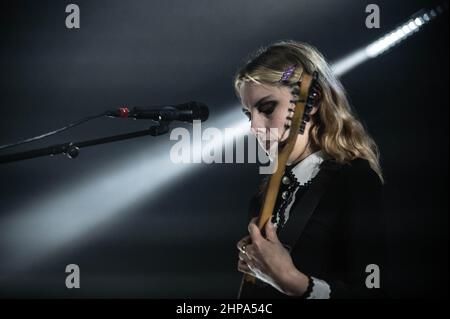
[{"x": 72, "y": 149}]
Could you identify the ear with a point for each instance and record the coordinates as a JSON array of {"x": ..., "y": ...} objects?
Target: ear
[
  {"x": 317, "y": 101},
  {"x": 314, "y": 110}
]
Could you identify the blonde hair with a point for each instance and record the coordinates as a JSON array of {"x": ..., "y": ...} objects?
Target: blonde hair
[{"x": 335, "y": 129}]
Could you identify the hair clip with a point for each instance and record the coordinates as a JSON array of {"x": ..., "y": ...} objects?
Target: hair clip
[{"x": 288, "y": 73}]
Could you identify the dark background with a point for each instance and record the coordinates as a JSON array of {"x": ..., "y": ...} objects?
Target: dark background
[{"x": 177, "y": 239}]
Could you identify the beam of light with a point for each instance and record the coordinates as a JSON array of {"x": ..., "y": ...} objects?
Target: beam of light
[
  {"x": 388, "y": 41},
  {"x": 38, "y": 229},
  {"x": 31, "y": 232}
]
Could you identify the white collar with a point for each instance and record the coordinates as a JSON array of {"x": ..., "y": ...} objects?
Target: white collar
[{"x": 308, "y": 168}]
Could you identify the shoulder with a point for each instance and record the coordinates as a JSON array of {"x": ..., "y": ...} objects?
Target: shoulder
[
  {"x": 360, "y": 187},
  {"x": 355, "y": 180},
  {"x": 358, "y": 172}
]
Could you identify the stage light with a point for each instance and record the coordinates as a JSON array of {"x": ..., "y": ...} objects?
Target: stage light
[{"x": 388, "y": 41}]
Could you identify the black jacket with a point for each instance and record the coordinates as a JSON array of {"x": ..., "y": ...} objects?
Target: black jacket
[{"x": 344, "y": 235}]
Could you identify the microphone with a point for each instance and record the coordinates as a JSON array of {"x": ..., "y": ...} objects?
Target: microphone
[{"x": 186, "y": 112}]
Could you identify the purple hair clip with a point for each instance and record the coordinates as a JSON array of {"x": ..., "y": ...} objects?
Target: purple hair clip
[{"x": 287, "y": 73}]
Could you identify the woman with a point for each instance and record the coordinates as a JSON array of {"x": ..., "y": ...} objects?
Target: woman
[{"x": 339, "y": 250}]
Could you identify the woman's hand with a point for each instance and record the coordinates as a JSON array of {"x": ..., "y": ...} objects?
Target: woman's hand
[{"x": 268, "y": 260}]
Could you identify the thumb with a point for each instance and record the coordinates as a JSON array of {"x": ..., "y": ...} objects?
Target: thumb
[
  {"x": 255, "y": 233},
  {"x": 271, "y": 232}
]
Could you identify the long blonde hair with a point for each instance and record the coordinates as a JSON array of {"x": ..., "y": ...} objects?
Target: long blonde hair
[{"x": 335, "y": 129}]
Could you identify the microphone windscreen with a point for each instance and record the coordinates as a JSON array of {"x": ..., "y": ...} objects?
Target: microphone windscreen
[{"x": 199, "y": 110}]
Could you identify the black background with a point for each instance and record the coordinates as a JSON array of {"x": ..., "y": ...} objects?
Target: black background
[{"x": 182, "y": 243}]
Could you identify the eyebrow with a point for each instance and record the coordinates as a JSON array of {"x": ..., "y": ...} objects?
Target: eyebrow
[{"x": 259, "y": 101}]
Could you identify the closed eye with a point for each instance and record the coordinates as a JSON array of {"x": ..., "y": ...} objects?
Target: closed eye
[{"x": 268, "y": 107}]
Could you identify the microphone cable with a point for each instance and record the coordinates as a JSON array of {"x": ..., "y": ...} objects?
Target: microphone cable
[{"x": 35, "y": 138}]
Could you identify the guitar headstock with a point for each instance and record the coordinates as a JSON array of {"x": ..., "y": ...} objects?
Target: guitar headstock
[
  {"x": 311, "y": 98},
  {"x": 306, "y": 94},
  {"x": 311, "y": 101}
]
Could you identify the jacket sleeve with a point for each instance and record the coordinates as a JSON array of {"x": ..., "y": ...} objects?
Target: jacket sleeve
[{"x": 362, "y": 241}]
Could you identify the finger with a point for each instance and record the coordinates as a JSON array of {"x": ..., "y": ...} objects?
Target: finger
[
  {"x": 251, "y": 257},
  {"x": 254, "y": 269},
  {"x": 244, "y": 241},
  {"x": 271, "y": 232},
  {"x": 242, "y": 247},
  {"x": 254, "y": 220},
  {"x": 251, "y": 252},
  {"x": 244, "y": 257},
  {"x": 255, "y": 233},
  {"x": 243, "y": 267}
]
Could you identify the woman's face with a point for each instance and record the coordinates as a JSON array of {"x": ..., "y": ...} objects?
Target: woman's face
[{"x": 267, "y": 107}]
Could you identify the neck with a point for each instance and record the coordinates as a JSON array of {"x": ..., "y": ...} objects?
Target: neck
[{"x": 308, "y": 150}]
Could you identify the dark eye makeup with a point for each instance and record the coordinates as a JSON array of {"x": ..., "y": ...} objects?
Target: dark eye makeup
[{"x": 266, "y": 108}]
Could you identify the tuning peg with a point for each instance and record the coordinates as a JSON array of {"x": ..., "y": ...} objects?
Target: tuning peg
[
  {"x": 306, "y": 118},
  {"x": 290, "y": 110},
  {"x": 289, "y": 118},
  {"x": 302, "y": 127},
  {"x": 287, "y": 126}
]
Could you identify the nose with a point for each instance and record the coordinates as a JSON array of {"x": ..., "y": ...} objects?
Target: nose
[{"x": 257, "y": 123}]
